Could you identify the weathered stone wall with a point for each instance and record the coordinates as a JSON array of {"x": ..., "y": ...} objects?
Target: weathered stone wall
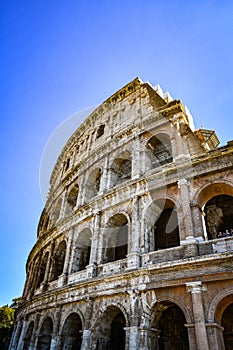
[{"x": 133, "y": 161}]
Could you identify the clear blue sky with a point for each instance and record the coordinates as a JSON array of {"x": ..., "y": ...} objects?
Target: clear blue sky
[{"x": 60, "y": 57}]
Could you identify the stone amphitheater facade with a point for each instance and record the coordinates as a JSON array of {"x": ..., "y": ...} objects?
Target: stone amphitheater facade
[{"x": 134, "y": 247}]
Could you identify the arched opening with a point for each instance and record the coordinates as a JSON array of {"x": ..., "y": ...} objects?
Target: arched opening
[
  {"x": 72, "y": 199},
  {"x": 116, "y": 236},
  {"x": 219, "y": 216},
  {"x": 160, "y": 151},
  {"x": 28, "y": 336},
  {"x": 121, "y": 169},
  {"x": 100, "y": 131},
  {"x": 45, "y": 335},
  {"x": 170, "y": 322},
  {"x": 93, "y": 185},
  {"x": 71, "y": 333},
  {"x": 43, "y": 223},
  {"x": 111, "y": 332},
  {"x": 227, "y": 323},
  {"x": 58, "y": 261},
  {"x": 82, "y": 250},
  {"x": 161, "y": 225},
  {"x": 57, "y": 210},
  {"x": 42, "y": 269}
]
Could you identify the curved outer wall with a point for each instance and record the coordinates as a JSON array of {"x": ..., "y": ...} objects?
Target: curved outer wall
[{"x": 126, "y": 240}]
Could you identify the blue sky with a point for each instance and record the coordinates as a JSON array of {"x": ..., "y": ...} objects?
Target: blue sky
[{"x": 61, "y": 57}]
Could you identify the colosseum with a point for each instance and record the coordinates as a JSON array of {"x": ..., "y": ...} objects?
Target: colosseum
[{"x": 135, "y": 244}]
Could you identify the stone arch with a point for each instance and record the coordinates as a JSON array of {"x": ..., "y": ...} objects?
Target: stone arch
[
  {"x": 42, "y": 269},
  {"x": 81, "y": 251},
  {"x": 72, "y": 198},
  {"x": 45, "y": 334},
  {"x": 109, "y": 329},
  {"x": 216, "y": 203},
  {"x": 58, "y": 261},
  {"x": 217, "y": 306},
  {"x": 57, "y": 210},
  {"x": 92, "y": 186},
  {"x": 172, "y": 300},
  {"x": 169, "y": 322},
  {"x": 43, "y": 223},
  {"x": 160, "y": 222},
  {"x": 116, "y": 237},
  {"x": 121, "y": 168},
  {"x": 71, "y": 332},
  {"x": 206, "y": 192},
  {"x": 28, "y": 336},
  {"x": 158, "y": 150}
]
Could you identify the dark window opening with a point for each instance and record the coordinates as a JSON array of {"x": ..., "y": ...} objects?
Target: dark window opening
[
  {"x": 166, "y": 230},
  {"x": 100, "y": 131},
  {"x": 227, "y": 324},
  {"x": 219, "y": 216}
]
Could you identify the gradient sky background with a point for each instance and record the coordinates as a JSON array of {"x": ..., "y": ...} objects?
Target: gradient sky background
[{"x": 59, "y": 57}]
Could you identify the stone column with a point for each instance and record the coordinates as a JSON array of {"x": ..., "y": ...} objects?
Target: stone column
[
  {"x": 131, "y": 338},
  {"x": 196, "y": 288},
  {"x": 95, "y": 238},
  {"x": 34, "y": 334},
  {"x": 104, "y": 178},
  {"x": 22, "y": 335},
  {"x": 15, "y": 335},
  {"x": 198, "y": 229},
  {"x": 136, "y": 162},
  {"x": 86, "y": 339},
  {"x": 133, "y": 255},
  {"x": 68, "y": 256},
  {"x": 49, "y": 266},
  {"x": 81, "y": 192},
  {"x": 55, "y": 336},
  {"x": 215, "y": 336},
  {"x": 63, "y": 205}
]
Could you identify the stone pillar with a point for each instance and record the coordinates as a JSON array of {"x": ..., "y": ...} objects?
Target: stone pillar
[
  {"x": 49, "y": 265},
  {"x": 15, "y": 335},
  {"x": 131, "y": 338},
  {"x": 68, "y": 256},
  {"x": 191, "y": 336},
  {"x": 133, "y": 254},
  {"x": 34, "y": 334},
  {"x": 215, "y": 336},
  {"x": 198, "y": 229},
  {"x": 22, "y": 335},
  {"x": 196, "y": 288},
  {"x": 81, "y": 192},
  {"x": 136, "y": 162},
  {"x": 63, "y": 205},
  {"x": 86, "y": 339},
  {"x": 95, "y": 238},
  {"x": 104, "y": 177},
  {"x": 55, "y": 336}
]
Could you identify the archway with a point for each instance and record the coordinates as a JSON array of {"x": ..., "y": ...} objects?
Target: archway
[
  {"x": 92, "y": 186},
  {"x": 71, "y": 333},
  {"x": 159, "y": 150},
  {"x": 121, "y": 168},
  {"x": 58, "y": 261},
  {"x": 170, "y": 322},
  {"x": 82, "y": 250},
  {"x": 28, "y": 336},
  {"x": 57, "y": 210},
  {"x": 111, "y": 332},
  {"x": 42, "y": 269},
  {"x": 219, "y": 216},
  {"x": 227, "y": 323},
  {"x": 72, "y": 199},
  {"x": 161, "y": 225},
  {"x": 116, "y": 236},
  {"x": 45, "y": 335}
]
